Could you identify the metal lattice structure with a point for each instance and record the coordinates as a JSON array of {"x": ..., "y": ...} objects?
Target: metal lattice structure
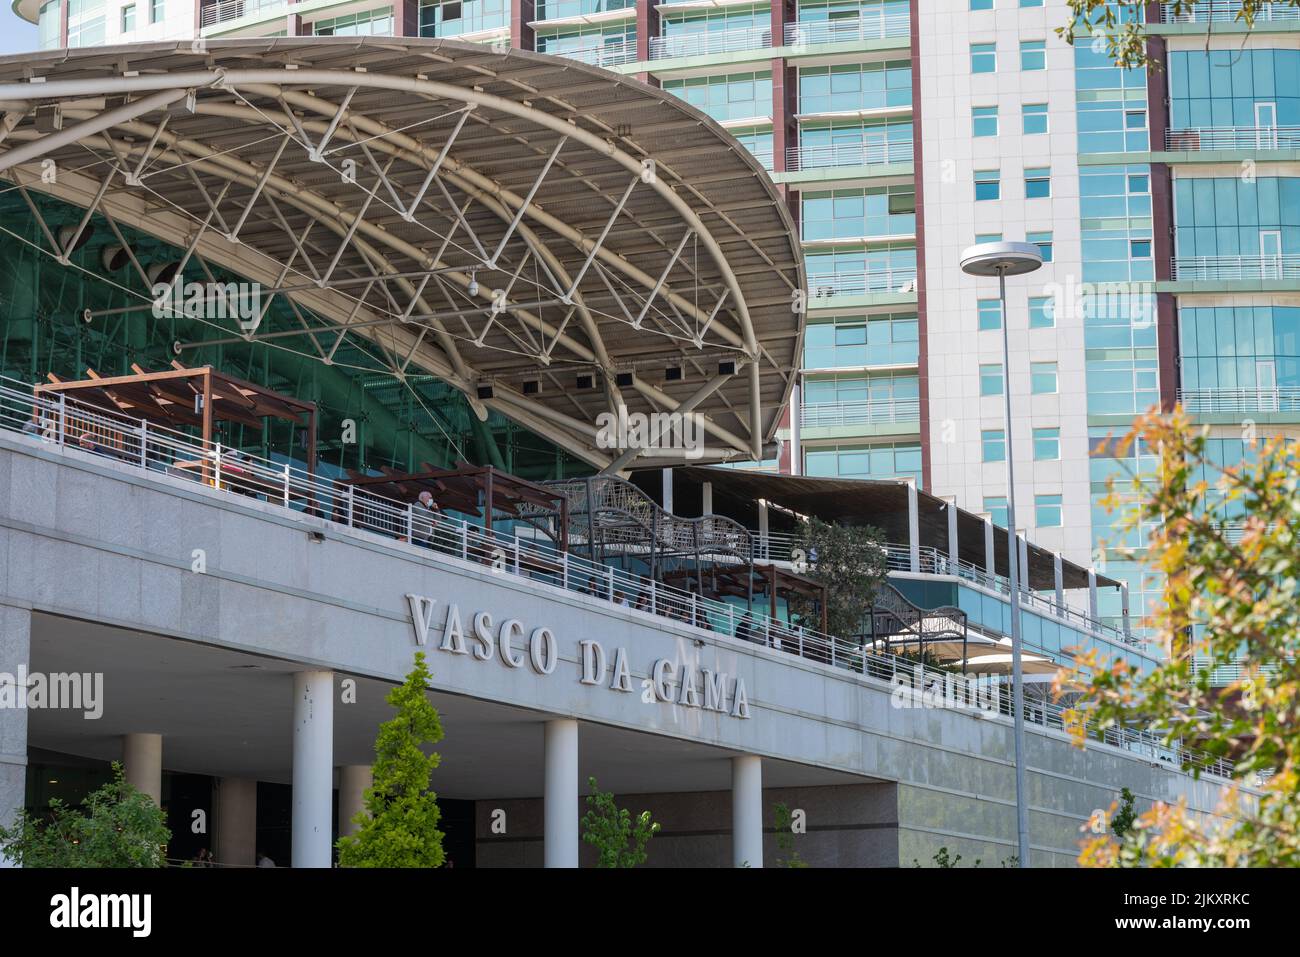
[
  {"x": 545, "y": 237},
  {"x": 895, "y": 620},
  {"x": 613, "y": 520}
]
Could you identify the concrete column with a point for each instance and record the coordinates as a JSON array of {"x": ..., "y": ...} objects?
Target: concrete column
[
  {"x": 747, "y": 811},
  {"x": 647, "y": 26},
  {"x": 990, "y": 553},
  {"x": 521, "y": 34},
  {"x": 354, "y": 779},
  {"x": 15, "y": 654},
  {"x": 668, "y": 490},
  {"x": 1123, "y": 604},
  {"x": 142, "y": 762},
  {"x": 913, "y": 527},
  {"x": 1058, "y": 574},
  {"x": 1023, "y": 550},
  {"x": 796, "y": 426},
  {"x": 954, "y": 553},
  {"x": 706, "y": 493},
  {"x": 763, "y": 540},
  {"x": 313, "y": 768},
  {"x": 406, "y": 18},
  {"x": 1092, "y": 594},
  {"x": 236, "y": 806},
  {"x": 560, "y": 805}
]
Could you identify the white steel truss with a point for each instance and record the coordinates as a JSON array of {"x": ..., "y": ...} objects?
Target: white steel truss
[{"x": 487, "y": 233}]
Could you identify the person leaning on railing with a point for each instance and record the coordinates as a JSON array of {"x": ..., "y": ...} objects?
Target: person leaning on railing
[{"x": 428, "y": 527}]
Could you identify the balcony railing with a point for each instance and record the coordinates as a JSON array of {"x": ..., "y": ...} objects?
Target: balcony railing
[
  {"x": 764, "y": 155},
  {"x": 1227, "y": 268},
  {"x": 609, "y": 54},
  {"x": 149, "y": 450},
  {"x": 847, "y": 154},
  {"x": 214, "y": 13},
  {"x": 899, "y": 279},
  {"x": 824, "y": 415},
  {"x": 707, "y": 42},
  {"x": 1233, "y": 138},
  {"x": 1232, "y": 401},
  {"x": 778, "y": 547},
  {"x": 870, "y": 26},
  {"x": 1225, "y": 11}
]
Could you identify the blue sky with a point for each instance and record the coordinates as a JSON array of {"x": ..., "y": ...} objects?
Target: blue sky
[{"x": 16, "y": 34}]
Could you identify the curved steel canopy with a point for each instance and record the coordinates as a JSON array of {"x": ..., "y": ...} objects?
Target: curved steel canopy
[{"x": 548, "y": 237}]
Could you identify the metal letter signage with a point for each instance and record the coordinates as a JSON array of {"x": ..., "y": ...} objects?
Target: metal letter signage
[{"x": 680, "y": 683}]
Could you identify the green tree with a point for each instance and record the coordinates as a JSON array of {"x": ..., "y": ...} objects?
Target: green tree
[
  {"x": 789, "y": 856},
  {"x": 1231, "y": 604},
  {"x": 115, "y": 826},
  {"x": 620, "y": 840},
  {"x": 399, "y": 826},
  {"x": 1123, "y": 820},
  {"x": 1118, "y": 24},
  {"x": 851, "y": 561}
]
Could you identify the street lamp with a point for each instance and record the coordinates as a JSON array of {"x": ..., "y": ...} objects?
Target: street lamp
[{"x": 1002, "y": 260}]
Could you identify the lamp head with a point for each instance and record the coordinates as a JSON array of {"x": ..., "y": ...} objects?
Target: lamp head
[{"x": 1001, "y": 258}]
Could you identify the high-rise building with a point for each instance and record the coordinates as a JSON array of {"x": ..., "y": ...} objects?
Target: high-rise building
[
  {"x": 435, "y": 270},
  {"x": 1166, "y": 204}
]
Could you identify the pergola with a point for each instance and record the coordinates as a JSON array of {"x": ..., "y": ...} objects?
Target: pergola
[
  {"x": 897, "y": 622},
  {"x": 481, "y": 491},
  {"x": 553, "y": 240},
  {"x": 189, "y": 398},
  {"x": 739, "y": 581}
]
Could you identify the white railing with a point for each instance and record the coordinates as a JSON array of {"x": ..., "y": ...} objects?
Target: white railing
[
  {"x": 223, "y": 10},
  {"x": 609, "y": 54},
  {"x": 1220, "y": 268},
  {"x": 1222, "y": 11},
  {"x": 861, "y": 412},
  {"x": 1194, "y": 139},
  {"x": 1209, "y": 401},
  {"x": 779, "y": 547},
  {"x": 707, "y": 42},
  {"x": 848, "y": 154},
  {"x": 591, "y": 9},
  {"x": 153, "y": 450},
  {"x": 870, "y": 26},
  {"x": 934, "y": 562},
  {"x": 1224, "y": 674},
  {"x": 900, "y": 279},
  {"x": 764, "y": 155}
]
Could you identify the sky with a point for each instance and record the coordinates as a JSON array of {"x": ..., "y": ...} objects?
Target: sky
[{"x": 16, "y": 34}]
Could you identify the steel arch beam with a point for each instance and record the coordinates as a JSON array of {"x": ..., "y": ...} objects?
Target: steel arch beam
[{"x": 490, "y": 195}]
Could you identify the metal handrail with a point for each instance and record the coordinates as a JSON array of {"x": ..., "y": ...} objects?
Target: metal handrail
[
  {"x": 865, "y": 153},
  {"x": 1223, "y": 11},
  {"x": 157, "y": 451},
  {"x": 875, "y": 25},
  {"x": 224, "y": 10},
  {"x": 1212, "y": 268},
  {"x": 1192, "y": 139},
  {"x": 609, "y": 54},
  {"x": 859, "y": 412},
  {"x": 706, "y": 42},
  {"x": 1208, "y": 401},
  {"x": 890, "y": 279},
  {"x": 780, "y": 546}
]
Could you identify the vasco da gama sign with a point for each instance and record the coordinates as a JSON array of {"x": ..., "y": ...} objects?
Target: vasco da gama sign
[{"x": 515, "y": 646}]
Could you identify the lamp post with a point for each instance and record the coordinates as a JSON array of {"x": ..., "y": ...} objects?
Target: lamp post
[{"x": 1002, "y": 260}]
